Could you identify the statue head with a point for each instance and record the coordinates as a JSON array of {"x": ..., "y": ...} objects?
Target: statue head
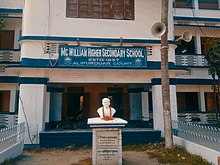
[{"x": 106, "y": 102}]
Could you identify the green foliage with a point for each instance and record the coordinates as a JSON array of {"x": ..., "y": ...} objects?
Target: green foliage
[
  {"x": 213, "y": 57},
  {"x": 173, "y": 156}
]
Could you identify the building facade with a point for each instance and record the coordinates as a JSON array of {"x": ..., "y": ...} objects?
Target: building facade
[{"x": 65, "y": 56}]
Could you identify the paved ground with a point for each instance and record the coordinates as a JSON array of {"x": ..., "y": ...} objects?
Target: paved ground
[{"x": 64, "y": 157}]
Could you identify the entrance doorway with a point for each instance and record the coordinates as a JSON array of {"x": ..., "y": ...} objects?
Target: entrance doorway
[
  {"x": 77, "y": 103},
  {"x": 81, "y": 102},
  {"x": 75, "y": 110},
  {"x": 74, "y": 105}
]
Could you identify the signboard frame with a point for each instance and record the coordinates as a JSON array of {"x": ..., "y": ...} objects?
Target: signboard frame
[{"x": 104, "y": 57}]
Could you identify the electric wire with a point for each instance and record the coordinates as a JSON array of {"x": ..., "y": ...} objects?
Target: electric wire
[
  {"x": 27, "y": 123},
  {"x": 36, "y": 116},
  {"x": 198, "y": 23}
]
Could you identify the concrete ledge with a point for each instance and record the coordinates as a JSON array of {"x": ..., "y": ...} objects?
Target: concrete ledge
[
  {"x": 209, "y": 154},
  {"x": 11, "y": 152},
  {"x": 51, "y": 139}
]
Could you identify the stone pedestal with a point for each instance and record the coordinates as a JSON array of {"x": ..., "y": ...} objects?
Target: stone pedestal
[{"x": 107, "y": 141}]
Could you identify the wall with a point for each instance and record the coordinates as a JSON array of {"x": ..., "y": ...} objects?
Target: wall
[
  {"x": 193, "y": 88},
  {"x": 52, "y": 20},
  {"x": 12, "y": 4},
  {"x": 11, "y": 152},
  {"x": 207, "y": 153}
]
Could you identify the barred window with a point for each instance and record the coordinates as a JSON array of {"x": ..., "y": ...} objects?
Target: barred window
[{"x": 100, "y": 9}]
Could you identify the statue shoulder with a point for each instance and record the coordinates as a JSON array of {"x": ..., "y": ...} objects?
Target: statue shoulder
[
  {"x": 113, "y": 109},
  {"x": 99, "y": 109}
]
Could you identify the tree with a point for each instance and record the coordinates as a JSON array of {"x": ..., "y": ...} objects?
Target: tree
[
  {"x": 213, "y": 58},
  {"x": 165, "y": 77}
]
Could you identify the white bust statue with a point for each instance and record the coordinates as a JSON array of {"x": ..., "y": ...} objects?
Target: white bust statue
[{"x": 106, "y": 112}]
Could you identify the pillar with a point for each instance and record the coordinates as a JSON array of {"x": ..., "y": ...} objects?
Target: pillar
[
  {"x": 32, "y": 107},
  {"x": 157, "y": 108},
  {"x": 196, "y": 5},
  {"x": 47, "y": 111},
  {"x": 198, "y": 44},
  {"x": 173, "y": 102},
  {"x": 13, "y": 100},
  {"x": 55, "y": 106},
  {"x": 135, "y": 106},
  {"x": 202, "y": 101},
  {"x": 173, "y": 106},
  {"x": 145, "y": 106}
]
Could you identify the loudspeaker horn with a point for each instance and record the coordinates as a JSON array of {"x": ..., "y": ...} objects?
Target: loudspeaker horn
[
  {"x": 158, "y": 29},
  {"x": 186, "y": 36}
]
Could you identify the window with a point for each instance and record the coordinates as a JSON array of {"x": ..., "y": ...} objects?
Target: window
[
  {"x": 185, "y": 47},
  {"x": 208, "y": 4},
  {"x": 6, "y": 39},
  {"x": 183, "y": 4},
  {"x": 4, "y": 101},
  {"x": 187, "y": 102},
  {"x": 210, "y": 101},
  {"x": 100, "y": 9}
]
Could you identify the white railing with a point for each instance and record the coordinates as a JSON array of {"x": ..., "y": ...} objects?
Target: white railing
[
  {"x": 200, "y": 118},
  {"x": 9, "y": 55},
  {"x": 191, "y": 60},
  {"x": 8, "y": 119},
  {"x": 11, "y": 141},
  {"x": 200, "y": 134}
]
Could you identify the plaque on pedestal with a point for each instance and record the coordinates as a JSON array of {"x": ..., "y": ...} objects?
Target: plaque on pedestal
[{"x": 107, "y": 141}]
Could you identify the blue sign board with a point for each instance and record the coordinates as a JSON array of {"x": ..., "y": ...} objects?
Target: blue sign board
[{"x": 109, "y": 57}]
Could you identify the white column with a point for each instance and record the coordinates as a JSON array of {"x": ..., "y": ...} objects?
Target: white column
[
  {"x": 135, "y": 106},
  {"x": 145, "y": 106},
  {"x": 157, "y": 108},
  {"x": 196, "y": 4},
  {"x": 202, "y": 101},
  {"x": 31, "y": 110},
  {"x": 47, "y": 107},
  {"x": 17, "y": 36},
  {"x": 56, "y": 106},
  {"x": 198, "y": 44},
  {"x": 173, "y": 103},
  {"x": 12, "y": 100}
]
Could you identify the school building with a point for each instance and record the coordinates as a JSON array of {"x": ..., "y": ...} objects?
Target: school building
[{"x": 58, "y": 59}]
